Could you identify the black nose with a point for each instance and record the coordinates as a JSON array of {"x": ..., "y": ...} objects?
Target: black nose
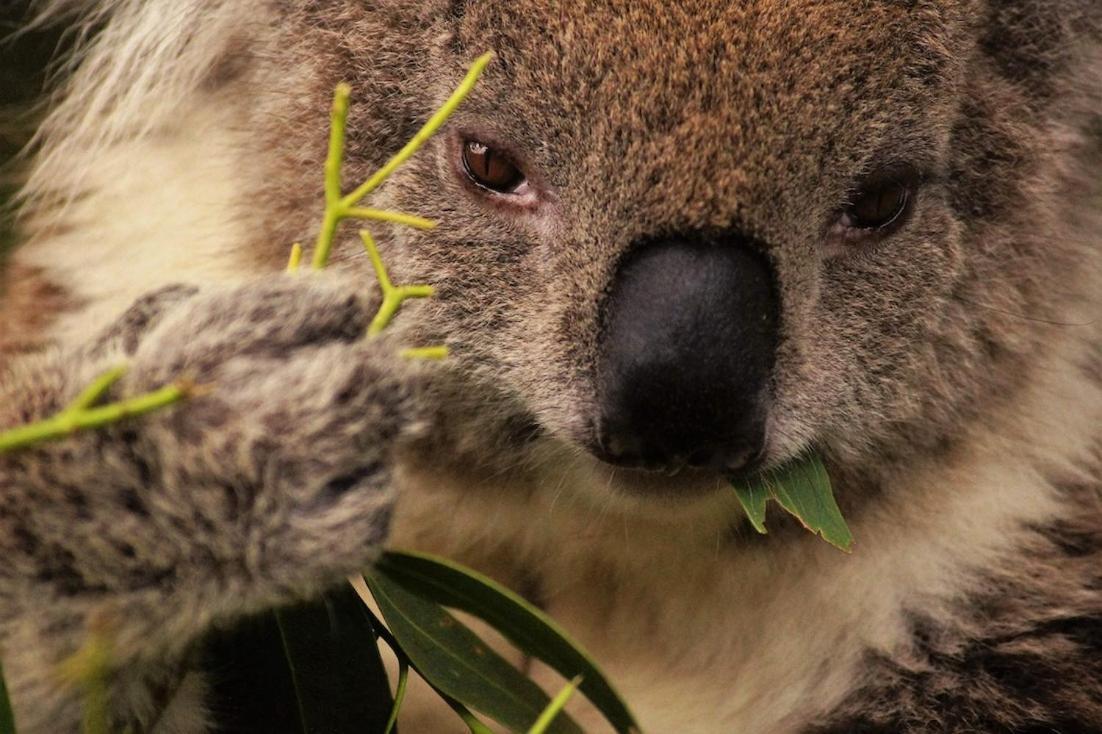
[{"x": 686, "y": 354}]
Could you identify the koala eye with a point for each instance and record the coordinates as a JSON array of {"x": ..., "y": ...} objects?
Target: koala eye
[
  {"x": 491, "y": 169},
  {"x": 878, "y": 207}
]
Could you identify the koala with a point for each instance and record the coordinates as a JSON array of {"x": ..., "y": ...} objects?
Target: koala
[{"x": 677, "y": 243}]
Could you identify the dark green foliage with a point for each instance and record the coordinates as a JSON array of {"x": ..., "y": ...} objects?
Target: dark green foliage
[
  {"x": 310, "y": 669},
  {"x": 459, "y": 664},
  {"x": 7, "y": 719},
  {"x": 529, "y": 629}
]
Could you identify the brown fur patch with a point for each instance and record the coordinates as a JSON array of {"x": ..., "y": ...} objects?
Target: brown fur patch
[{"x": 32, "y": 302}]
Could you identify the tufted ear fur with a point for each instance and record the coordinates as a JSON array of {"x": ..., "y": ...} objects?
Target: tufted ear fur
[{"x": 145, "y": 59}]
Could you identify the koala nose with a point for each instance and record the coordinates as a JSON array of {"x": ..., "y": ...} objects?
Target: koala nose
[{"x": 686, "y": 352}]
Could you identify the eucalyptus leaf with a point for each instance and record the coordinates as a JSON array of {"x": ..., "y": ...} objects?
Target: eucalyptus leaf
[
  {"x": 455, "y": 661},
  {"x": 313, "y": 668},
  {"x": 532, "y": 631},
  {"x": 753, "y": 494},
  {"x": 339, "y": 679},
  {"x": 802, "y": 487},
  {"x": 473, "y": 723},
  {"x": 7, "y": 718}
]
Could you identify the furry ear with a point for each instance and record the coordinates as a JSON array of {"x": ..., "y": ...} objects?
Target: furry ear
[{"x": 133, "y": 60}]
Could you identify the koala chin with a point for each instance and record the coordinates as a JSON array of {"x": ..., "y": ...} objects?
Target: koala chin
[{"x": 677, "y": 241}]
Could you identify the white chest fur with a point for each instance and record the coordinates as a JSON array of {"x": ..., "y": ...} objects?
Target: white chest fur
[{"x": 707, "y": 633}]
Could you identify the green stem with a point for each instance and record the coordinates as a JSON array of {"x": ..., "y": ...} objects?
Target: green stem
[
  {"x": 435, "y": 123},
  {"x": 335, "y": 157},
  {"x": 71, "y": 421},
  {"x": 338, "y": 208},
  {"x": 427, "y": 353},
  {"x": 295, "y": 260},
  {"x": 89, "y": 669},
  {"x": 393, "y": 296},
  {"x": 95, "y": 392},
  {"x": 376, "y": 262},
  {"x": 399, "y": 694},
  {"x": 558, "y": 703},
  {"x": 378, "y": 215},
  {"x": 328, "y": 232},
  {"x": 338, "y": 121}
]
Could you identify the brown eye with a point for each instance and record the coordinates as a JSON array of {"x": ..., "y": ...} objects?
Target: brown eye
[
  {"x": 879, "y": 207},
  {"x": 491, "y": 169}
]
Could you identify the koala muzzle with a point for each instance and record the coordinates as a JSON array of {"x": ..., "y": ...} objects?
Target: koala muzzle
[{"x": 686, "y": 353}]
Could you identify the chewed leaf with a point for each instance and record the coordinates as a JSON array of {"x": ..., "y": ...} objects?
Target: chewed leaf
[
  {"x": 753, "y": 494},
  {"x": 802, "y": 487},
  {"x": 7, "y": 719}
]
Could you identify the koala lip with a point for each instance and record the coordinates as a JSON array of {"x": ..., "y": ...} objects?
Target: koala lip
[
  {"x": 686, "y": 355},
  {"x": 716, "y": 458}
]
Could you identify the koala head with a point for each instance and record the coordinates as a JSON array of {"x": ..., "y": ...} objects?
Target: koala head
[{"x": 700, "y": 237}]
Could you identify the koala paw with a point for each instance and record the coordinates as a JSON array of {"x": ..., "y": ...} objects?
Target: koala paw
[
  {"x": 267, "y": 486},
  {"x": 293, "y": 435},
  {"x": 270, "y": 483}
]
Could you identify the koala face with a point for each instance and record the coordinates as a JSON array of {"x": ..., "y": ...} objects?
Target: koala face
[{"x": 702, "y": 237}]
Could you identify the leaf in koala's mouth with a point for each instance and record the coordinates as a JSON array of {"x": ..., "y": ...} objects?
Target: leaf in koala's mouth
[{"x": 802, "y": 487}]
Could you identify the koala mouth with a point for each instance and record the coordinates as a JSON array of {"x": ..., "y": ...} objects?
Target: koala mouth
[
  {"x": 686, "y": 352},
  {"x": 656, "y": 485}
]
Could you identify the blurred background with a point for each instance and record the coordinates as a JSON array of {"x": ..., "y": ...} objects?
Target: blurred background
[{"x": 24, "y": 61}]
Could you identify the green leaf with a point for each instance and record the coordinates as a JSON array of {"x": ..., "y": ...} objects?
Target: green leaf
[
  {"x": 532, "y": 631},
  {"x": 474, "y": 725},
  {"x": 454, "y": 660},
  {"x": 331, "y": 651},
  {"x": 7, "y": 718},
  {"x": 339, "y": 682},
  {"x": 753, "y": 496},
  {"x": 802, "y": 487}
]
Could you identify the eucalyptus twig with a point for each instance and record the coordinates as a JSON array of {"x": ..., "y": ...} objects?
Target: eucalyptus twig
[
  {"x": 80, "y": 416},
  {"x": 88, "y": 669},
  {"x": 558, "y": 703},
  {"x": 95, "y": 392},
  {"x": 399, "y": 694},
  {"x": 295, "y": 260},
  {"x": 338, "y": 207},
  {"x": 404, "y": 663},
  {"x": 380, "y": 215},
  {"x": 432, "y": 354},
  {"x": 393, "y": 296}
]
